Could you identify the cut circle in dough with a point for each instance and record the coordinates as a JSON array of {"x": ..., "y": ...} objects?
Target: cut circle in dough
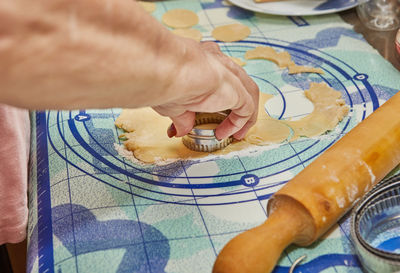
[
  {"x": 190, "y": 33},
  {"x": 147, "y": 138},
  {"x": 148, "y": 6},
  {"x": 180, "y": 18},
  {"x": 282, "y": 59},
  {"x": 231, "y": 33}
]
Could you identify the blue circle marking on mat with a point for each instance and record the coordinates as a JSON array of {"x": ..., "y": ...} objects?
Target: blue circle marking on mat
[{"x": 100, "y": 157}]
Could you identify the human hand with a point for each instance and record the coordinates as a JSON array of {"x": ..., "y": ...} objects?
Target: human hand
[
  {"x": 146, "y": 66},
  {"x": 209, "y": 81}
]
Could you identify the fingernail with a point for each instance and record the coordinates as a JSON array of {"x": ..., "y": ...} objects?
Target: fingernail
[{"x": 171, "y": 131}]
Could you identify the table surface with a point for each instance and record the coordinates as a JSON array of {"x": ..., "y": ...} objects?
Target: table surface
[
  {"x": 383, "y": 41},
  {"x": 93, "y": 211}
]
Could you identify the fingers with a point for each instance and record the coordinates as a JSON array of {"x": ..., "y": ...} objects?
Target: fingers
[
  {"x": 247, "y": 82},
  {"x": 182, "y": 124},
  {"x": 182, "y": 121},
  {"x": 169, "y": 110},
  {"x": 242, "y": 132},
  {"x": 237, "y": 119},
  {"x": 242, "y": 119},
  {"x": 254, "y": 92},
  {"x": 217, "y": 84},
  {"x": 211, "y": 47}
]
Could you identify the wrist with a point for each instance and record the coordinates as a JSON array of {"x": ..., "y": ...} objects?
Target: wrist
[
  {"x": 172, "y": 56},
  {"x": 192, "y": 75}
]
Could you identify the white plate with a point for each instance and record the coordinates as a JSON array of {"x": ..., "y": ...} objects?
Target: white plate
[{"x": 297, "y": 7}]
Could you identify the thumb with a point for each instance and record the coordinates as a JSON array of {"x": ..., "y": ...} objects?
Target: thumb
[{"x": 183, "y": 123}]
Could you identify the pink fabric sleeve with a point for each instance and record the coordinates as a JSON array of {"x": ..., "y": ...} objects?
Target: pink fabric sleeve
[{"x": 14, "y": 156}]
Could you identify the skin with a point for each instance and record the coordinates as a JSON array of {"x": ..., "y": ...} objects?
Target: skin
[{"x": 74, "y": 54}]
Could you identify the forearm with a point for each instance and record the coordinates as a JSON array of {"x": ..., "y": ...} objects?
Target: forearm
[{"x": 85, "y": 54}]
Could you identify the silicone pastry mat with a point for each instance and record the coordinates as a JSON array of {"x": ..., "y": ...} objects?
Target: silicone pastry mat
[{"x": 91, "y": 210}]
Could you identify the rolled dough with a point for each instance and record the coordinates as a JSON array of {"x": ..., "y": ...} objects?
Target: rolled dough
[
  {"x": 231, "y": 33},
  {"x": 180, "y": 18},
  {"x": 147, "y": 138}
]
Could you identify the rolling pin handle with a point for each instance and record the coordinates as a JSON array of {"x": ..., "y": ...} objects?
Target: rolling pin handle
[{"x": 257, "y": 250}]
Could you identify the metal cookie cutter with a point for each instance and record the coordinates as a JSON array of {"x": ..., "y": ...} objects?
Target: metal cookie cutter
[
  {"x": 375, "y": 228},
  {"x": 204, "y": 140}
]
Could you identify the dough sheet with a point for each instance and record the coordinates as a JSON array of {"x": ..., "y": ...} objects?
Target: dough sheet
[{"x": 146, "y": 133}]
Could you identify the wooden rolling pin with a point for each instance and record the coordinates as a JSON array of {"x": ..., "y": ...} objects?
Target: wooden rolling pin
[{"x": 309, "y": 204}]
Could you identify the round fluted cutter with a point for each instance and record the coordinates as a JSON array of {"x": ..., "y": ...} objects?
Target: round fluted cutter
[
  {"x": 375, "y": 228},
  {"x": 204, "y": 140}
]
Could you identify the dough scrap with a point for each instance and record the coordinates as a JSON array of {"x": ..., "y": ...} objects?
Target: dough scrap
[
  {"x": 190, "y": 33},
  {"x": 148, "y": 6},
  {"x": 329, "y": 109},
  {"x": 147, "y": 138},
  {"x": 180, "y": 18},
  {"x": 282, "y": 59},
  {"x": 295, "y": 69},
  {"x": 231, "y": 33}
]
